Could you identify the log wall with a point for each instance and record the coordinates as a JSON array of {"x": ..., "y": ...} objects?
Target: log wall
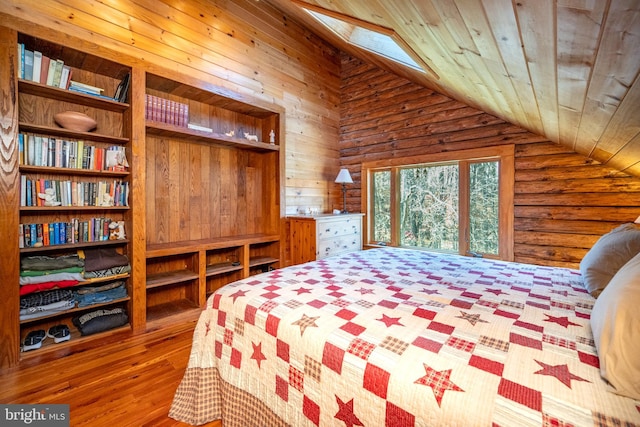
[{"x": 563, "y": 201}]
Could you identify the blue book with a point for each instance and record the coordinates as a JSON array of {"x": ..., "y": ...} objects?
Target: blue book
[
  {"x": 63, "y": 233},
  {"x": 56, "y": 233},
  {"x": 34, "y": 234},
  {"x": 52, "y": 238},
  {"x": 28, "y": 64}
]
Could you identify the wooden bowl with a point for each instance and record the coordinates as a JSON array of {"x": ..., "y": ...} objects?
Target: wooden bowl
[{"x": 75, "y": 121}]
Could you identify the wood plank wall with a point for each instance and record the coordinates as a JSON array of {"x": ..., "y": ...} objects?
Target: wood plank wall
[
  {"x": 563, "y": 201},
  {"x": 246, "y": 46}
]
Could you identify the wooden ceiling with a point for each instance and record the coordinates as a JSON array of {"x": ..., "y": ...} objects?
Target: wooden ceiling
[{"x": 565, "y": 69}]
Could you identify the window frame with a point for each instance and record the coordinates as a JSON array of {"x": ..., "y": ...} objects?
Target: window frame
[{"x": 504, "y": 154}]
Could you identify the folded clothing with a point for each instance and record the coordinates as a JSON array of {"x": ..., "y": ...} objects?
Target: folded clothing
[
  {"x": 43, "y": 298},
  {"x": 101, "y": 297},
  {"x": 46, "y": 310},
  {"x": 37, "y": 287},
  {"x": 107, "y": 272},
  {"x": 47, "y": 272},
  {"x": 55, "y": 277},
  {"x": 43, "y": 262},
  {"x": 100, "y": 320},
  {"x": 103, "y": 258}
]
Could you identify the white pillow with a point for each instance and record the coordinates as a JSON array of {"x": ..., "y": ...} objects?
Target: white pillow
[
  {"x": 608, "y": 255},
  {"x": 615, "y": 322}
]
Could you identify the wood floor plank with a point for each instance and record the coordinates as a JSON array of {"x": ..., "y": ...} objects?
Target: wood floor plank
[{"x": 125, "y": 382}]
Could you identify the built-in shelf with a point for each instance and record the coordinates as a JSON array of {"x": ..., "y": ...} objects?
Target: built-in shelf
[
  {"x": 221, "y": 268},
  {"x": 74, "y": 171},
  {"x": 166, "y": 130},
  {"x": 43, "y": 90},
  {"x": 75, "y": 246},
  {"x": 158, "y": 280},
  {"x": 75, "y": 310}
]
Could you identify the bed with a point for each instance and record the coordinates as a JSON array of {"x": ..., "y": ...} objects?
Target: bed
[{"x": 400, "y": 337}]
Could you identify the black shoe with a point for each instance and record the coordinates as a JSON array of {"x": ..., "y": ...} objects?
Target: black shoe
[
  {"x": 59, "y": 333},
  {"x": 34, "y": 340}
]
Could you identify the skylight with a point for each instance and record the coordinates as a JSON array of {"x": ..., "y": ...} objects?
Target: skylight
[{"x": 372, "y": 38}]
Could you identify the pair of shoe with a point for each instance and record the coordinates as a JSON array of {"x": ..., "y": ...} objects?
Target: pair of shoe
[{"x": 34, "y": 339}]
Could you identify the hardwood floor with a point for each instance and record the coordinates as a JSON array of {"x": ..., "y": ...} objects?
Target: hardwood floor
[{"x": 126, "y": 382}]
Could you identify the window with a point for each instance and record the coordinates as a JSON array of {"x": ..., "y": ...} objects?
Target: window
[
  {"x": 459, "y": 202},
  {"x": 370, "y": 37}
]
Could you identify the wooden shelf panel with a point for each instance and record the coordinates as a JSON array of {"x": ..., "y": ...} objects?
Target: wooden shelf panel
[
  {"x": 221, "y": 268},
  {"x": 176, "y": 248},
  {"x": 49, "y": 345},
  {"x": 70, "y": 171},
  {"x": 75, "y": 246},
  {"x": 40, "y": 209},
  {"x": 69, "y": 134},
  {"x": 262, "y": 260},
  {"x": 74, "y": 310},
  {"x": 39, "y": 89},
  {"x": 167, "y": 278},
  {"x": 162, "y": 311},
  {"x": 166, "y": 130}
]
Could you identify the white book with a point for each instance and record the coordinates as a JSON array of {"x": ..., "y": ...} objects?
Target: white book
[
  {"x": 86, "y": 87},
  {"x": 20, "y": 60},
  {"x": 51, "y": 73},
  {"x": 23, "y": 190},
  {"x": 37, "y": 64},
  {"x": 64, "y": 77},
  {"x": 199, "y": 127}
]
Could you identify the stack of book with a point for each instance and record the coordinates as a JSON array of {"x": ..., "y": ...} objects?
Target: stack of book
[
  {"x": 73, "y": 193},
  {"x": 38, "y": 150},
  {"x": 39, "y": 68},
  {"x": 61, "y": 233},
  {"x": 163, "y": 110},
  {"x": 88, "y": 89}
]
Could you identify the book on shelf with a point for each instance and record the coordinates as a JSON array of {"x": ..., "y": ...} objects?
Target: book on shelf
[
  {"x": 28, "y": 64},
  {"x": 44, "y": 69},
  {"x": 21, "y": 60},
  {"x": 51, "y": 72},
  {"x": 98, "y": 95},
  {"x": 38, "y": 150},
  {"x": 65, "y": 76},
  {"x": 85, "y": 87},
  {"x": 167, "y": 111},
  {"x": 37, "y": 65},
  {"x": 57, "y": 73},
  {"x": 71, "y": 232},
  {"x": 122, "y": 90},
  {"x": 51, "y": 192},
  {"x": 199, "y": 127}
]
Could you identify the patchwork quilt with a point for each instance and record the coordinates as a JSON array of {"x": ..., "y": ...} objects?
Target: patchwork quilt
[{"x": 398, "y": 337}]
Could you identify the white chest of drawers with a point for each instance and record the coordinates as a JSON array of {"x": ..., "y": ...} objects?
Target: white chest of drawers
[{"x": 320, "y": 236}]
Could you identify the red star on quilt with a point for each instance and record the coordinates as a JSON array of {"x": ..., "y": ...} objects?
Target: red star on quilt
[
  {"x": 257, "y": 354},
  {"x": 364, "y": 291},
  {"x": 345, "y": 413},
  {"x": 303, "y": 291},
  {"x": 471, "y": 318},
  {"x": 561, "y": 372},
  {"x": 439, "y": 381},
  {"x": 237, "y": 294},
  {"x": 430, "y": 291},
  {"x": 496, "y": 292},
  {"x": 562, "y": 321},
  {"x": 390, "y": 321},
  {"x": 305, "y": 321}
]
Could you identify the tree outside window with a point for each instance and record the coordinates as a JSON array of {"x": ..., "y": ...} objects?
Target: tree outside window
[{"x": 461, "y": 206}]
